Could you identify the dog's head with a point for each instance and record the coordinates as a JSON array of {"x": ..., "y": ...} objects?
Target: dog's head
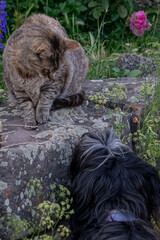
[
  {"x": 107, "y": 175},
  {"x": 138, "y": 230}
]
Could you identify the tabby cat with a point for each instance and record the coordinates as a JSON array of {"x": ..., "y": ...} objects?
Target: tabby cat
[{"x": 43, "y": 68}]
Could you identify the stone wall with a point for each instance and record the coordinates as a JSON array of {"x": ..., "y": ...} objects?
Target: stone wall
[
  {"x": 45, "y": 153},
  {"x": 142, "y": 4}
]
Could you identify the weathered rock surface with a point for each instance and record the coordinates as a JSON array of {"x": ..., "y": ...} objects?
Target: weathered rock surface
[
  {"x": 45, "y": 153},
  {"x": 147, "y": 66},
  {"x": 142, "y": 4}
]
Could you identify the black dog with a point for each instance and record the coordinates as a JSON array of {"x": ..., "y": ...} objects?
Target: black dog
[{"x": 115, "y": 194}]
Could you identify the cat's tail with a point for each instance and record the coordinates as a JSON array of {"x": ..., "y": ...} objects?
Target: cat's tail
[{"x": 70, "y": 101}]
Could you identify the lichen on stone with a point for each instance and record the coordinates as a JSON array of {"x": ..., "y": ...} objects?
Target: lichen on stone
[
  {"x": 3, "y": 164},
  {"x": 3, "y": 185}
]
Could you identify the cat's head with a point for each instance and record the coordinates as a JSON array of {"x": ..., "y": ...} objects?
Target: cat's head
[{"x": 48, "y": 53}]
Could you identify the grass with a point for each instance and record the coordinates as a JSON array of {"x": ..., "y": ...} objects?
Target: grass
[
  {"x": 103, "y": 58},
  {"x": 147, "y": 139}
]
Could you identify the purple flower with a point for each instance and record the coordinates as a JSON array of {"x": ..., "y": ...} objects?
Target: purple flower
[
  {"x": 2, "y": 1},
  {"x": 3, "y": 4},
  {"x": 1, "y": 36},
  {"x": 3, "y": 15},
  {"x": 4, "y": 30},
  {"x": 3, "y": 21},
  {"x": 1, "y": 46}
]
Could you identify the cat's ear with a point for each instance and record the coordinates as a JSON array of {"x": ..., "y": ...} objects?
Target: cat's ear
[{"x": 70, "y": 44}]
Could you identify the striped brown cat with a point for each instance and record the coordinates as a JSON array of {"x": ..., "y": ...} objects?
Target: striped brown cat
[{"x": 43, "y": 68}]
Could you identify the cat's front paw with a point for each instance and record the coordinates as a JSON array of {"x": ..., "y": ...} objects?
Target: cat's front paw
[{"x": 42, "y": 115}]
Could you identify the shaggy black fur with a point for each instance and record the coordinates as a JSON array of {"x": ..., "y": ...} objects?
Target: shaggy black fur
[{"x": 106, "y": 176}]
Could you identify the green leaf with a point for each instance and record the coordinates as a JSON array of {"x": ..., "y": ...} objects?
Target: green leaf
[
  {"x": 53, "y": 186},
  {"x": 126, "y": 72},
  {"x": 134, "y": 73},
  {"x": 105, "y": 4},
  {"x": 114, "y": 16},
  {"x": 96, "y": 13},
  {"x": 92, "y": 4},
  {"x": 83, "y": 8},
  {"x": 62, "y": 6},
  {"x": 91, "y": 38},
  {"x": 80, "y": 22},
  {"x": 122, "y": 10},
  {"x": 67, "y": 19},
  {"x": 116, "y": 69},
  {"x": 29, "y": 10}
]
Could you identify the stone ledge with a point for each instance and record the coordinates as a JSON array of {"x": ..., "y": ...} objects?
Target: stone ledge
[
  {"x": 146, "y": 65},
  {"x": 45, "y": 153}
]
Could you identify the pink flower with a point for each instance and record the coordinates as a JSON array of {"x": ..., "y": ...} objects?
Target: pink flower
[{"x": 139, "y": 23}]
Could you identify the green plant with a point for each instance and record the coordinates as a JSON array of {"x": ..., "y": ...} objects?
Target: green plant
[
  {"x": 111, "y": 98},
  {"x": 34, "y": 188},
  {"x": 116, "y": 93},
  {"x": 19, "y": 11},
  {"x": 48, "y": 215},
  {"x": 52, "y": 212},
  {"x": 67, "y": 12},
  {"x": 147, "y": 142},
  {"x": 16, "y": 226},
  {"x": 99, "y": 100},
  {"x": 111, "y": 16},
  {"x": 147, "y": 139},
  {"x": 125, "y": 72},
  {"x": 118, "y": 9}
]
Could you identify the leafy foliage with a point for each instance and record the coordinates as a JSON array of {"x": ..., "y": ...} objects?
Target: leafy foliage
[
  {"x": 147, "y": 139},
  {"x": 67, "y": 12},
  {"x": 47, "y": 215},
  {"x": 117, "y": 9},
  {"x": 74, "y": 15}
]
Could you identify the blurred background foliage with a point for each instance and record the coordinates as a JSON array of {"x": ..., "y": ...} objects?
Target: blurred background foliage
[
  {"x": 101, "y": 26},
  {"x": 86, "y": 20},
  {"x": 76, "y": 16}
]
